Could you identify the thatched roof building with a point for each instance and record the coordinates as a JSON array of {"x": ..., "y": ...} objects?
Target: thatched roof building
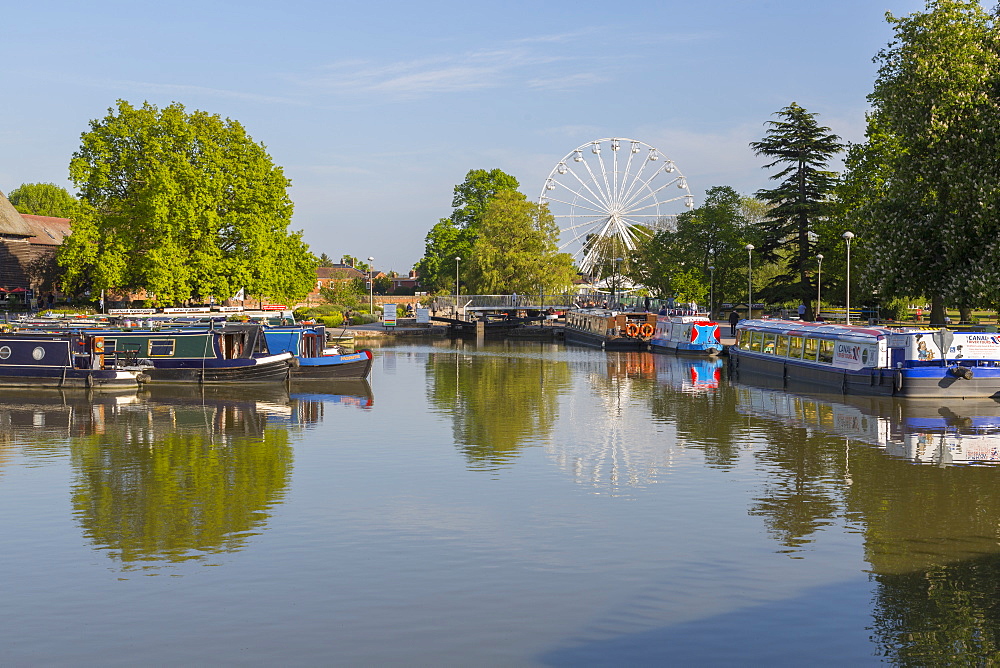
[
  {"x": 28, "y": 247},
  {"x": 12, "y": 225}
]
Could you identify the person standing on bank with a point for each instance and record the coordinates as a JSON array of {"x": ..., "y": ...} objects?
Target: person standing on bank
[
  {"x": 802, "y": 311},
  {"x": 734, "y": 318}
]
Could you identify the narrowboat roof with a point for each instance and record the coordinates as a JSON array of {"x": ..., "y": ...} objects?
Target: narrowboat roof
[
  {"x": 817, "y": 329},
  {"x": 700, "y": 319}
]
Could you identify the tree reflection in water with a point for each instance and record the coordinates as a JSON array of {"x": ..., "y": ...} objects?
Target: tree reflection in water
[
  {"x": 499, "y": 402},
  {"x": 181, "y": 476},
  {"x": 946, "y": 615},
  {"x": 931, "y": 533}
]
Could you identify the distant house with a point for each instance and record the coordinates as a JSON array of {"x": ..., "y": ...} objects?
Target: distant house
[
  {"x": 327, "y": 276},
  {"x": 410, "y": 282}
]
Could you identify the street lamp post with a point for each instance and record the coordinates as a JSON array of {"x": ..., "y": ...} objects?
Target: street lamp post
[
  {"x": 711, "y": 292},
  {"x": 819, "y": 284},
  {"x": 847, "y": 313},
  {"x": 614, "y": 281},
  {"x": 749, "y": 248},
  {"x": 371, "y": 286},
  {"x": 457, "y": 259}
]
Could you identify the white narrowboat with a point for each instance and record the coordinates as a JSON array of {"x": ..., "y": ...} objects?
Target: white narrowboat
[
  {"x": 869, "y": 360},
  {"x": 692, "y": 334}
]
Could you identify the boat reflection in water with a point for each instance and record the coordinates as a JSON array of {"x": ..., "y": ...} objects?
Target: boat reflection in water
[
  {"x": 354, "y": 392},
  {"x": 946, "y": 431},
  {"x": 631, "y": 365},
  {"x": 688, "y": 374}
]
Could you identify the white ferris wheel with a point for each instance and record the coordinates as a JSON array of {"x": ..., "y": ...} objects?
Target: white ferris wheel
[{"x": 600, "y": 192}]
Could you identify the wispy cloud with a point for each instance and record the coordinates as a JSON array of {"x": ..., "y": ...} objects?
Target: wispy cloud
[
  {"x": 569, "y": 82},
  {"x": 512, "y": 64}
]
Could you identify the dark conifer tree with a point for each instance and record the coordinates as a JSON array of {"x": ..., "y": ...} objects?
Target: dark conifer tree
[{"x": 801, "y": 149}]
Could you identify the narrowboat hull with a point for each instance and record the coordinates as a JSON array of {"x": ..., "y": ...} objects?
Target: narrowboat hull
[
  {"x": 354, "y": 365},
  {"x": 608, "y": 330},
  {"x": 69, "y": 378},
  {"x": 681, "y": 348},
  {"x": 271, "y": 369},
  {"x": 615, "y": 343}
]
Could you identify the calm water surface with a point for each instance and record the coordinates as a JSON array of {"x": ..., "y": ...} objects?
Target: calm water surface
[{"x": 498, "y": 505}]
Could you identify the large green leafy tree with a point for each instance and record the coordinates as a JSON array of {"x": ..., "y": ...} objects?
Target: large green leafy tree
[
  {"x": 923, "y": 186},
  {"x": 43, "y": 199},
  {"x": 181, "y": 205},
  {"x": 517, "y": 249},
  {"x": 677, "y": 262},
  {"x": 454, "y": 236},
  {"x": 801, "y": 149}
]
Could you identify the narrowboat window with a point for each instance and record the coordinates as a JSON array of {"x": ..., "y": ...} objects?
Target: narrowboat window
[
  {"x": 161, "y": 347},
  {"x": 795, "y": 347},
  {"x": 782, "y": 350},
  {"x": 110, "y": 345},
  {"x": 741, "y": 338},
  {"x": 826, "y": 351},
  {"x": 769, "y": 344},
  {"x": 755, "y": 338},
  {"x": 812, "y": 346}
]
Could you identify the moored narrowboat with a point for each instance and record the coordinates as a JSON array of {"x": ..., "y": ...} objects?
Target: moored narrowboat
[
  {"x": 869, "y": 360},
  {"x": 307, "y": 344},
  {"x": 67, "y": 360},
  {"x": 689, "y": 334},
  {"x": 233, "y": 353},
  {"x": 610, "y": 330}
]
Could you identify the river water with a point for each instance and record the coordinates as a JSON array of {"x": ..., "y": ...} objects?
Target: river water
[{"x": 506, "y": 504}]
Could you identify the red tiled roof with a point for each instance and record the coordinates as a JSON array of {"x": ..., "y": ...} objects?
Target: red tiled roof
[
  {"x": 338, "y": 272},
  {"x": 49, "y": 231}
]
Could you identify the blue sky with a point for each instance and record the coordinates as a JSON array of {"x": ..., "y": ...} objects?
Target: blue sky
[{"x": 375, "y": 110}]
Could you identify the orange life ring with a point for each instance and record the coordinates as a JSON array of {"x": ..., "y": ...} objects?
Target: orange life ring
[
  {"x": 631, "y": 329},
  {"x": 646, "y": 330}
]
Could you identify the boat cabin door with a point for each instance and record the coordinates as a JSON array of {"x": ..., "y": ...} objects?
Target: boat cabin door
[
  {"x": 232, "y": 345},
  {"x": 312, "y": 345}
]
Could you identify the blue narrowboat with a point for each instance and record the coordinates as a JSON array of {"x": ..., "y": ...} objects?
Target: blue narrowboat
[
  {"x": 307, "y": 344},
  {"x": 68, "y": 360}
]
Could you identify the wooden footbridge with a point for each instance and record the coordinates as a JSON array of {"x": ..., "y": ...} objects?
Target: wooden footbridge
[{"x": 470, "y": 304}]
